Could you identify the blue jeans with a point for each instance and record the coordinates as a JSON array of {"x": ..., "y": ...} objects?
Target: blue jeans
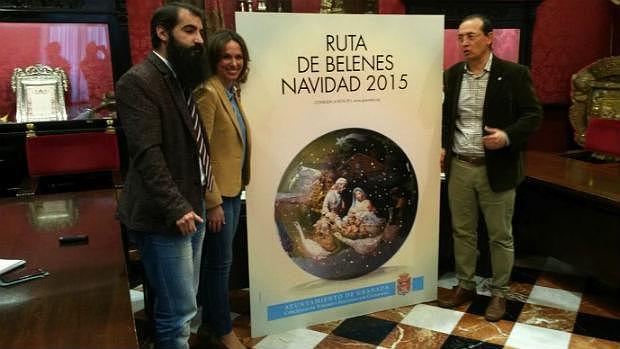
[
  {"x": 172, "y": 266},
  {"x": 217, "y": 257}
]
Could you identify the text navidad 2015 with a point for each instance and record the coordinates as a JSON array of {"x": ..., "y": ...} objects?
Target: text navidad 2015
[{"x": 348, "y": 57}]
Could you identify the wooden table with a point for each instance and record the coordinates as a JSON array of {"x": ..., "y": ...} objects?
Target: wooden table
[
  {"x": 598, "y": 182},
  {"x": 84, "y": 302},
  {"x": 570, "y": 210}
]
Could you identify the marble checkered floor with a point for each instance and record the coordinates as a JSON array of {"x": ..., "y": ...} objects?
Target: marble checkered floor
[{"x": 544, "y": 310}]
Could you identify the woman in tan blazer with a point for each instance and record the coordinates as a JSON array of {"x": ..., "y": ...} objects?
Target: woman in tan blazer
[{"x": 228, "y": 133}]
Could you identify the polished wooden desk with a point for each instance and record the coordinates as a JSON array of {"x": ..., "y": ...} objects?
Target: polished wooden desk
[
  {"x": 84, "y": 302},
  {"x": 599, "y": 182},
  {"x": 570, "y": 210}
]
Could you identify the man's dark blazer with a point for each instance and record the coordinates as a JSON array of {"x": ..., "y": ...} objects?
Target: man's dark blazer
[
  {"x": 163, "y": 180},
  {"x": 510, "y": 104}
]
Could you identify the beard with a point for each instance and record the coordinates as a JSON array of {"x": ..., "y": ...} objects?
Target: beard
[{"x": 187, "y": 62}]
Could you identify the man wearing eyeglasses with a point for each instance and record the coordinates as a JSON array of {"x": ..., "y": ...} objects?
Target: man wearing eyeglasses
[{"x": 489, "y": 111}]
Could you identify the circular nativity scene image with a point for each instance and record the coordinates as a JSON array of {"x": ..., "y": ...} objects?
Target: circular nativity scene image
[{"x": 346, "y": 203}]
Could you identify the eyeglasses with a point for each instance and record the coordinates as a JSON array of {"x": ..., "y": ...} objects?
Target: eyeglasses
[{"x": 468, "y": 37}]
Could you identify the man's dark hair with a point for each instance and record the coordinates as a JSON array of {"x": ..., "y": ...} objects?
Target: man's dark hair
[
  {"x": 487, "y": 26},
  {"x": 167, "y": 16},
  {"x": 216, "y": 45}
]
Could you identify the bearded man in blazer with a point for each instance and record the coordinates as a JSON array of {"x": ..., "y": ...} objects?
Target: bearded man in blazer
[
  {"x": 489, "y": 111},
  {"x": 162, "y": 203}
]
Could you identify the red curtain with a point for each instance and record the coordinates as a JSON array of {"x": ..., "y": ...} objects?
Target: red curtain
[
  {"x": 215, "y": 14},
  {"x": 139, "y": 13},
  {"x": 391, "y": 7},
  {"x": 306, "y": 6},
  {"x": 568, "y": 35}
]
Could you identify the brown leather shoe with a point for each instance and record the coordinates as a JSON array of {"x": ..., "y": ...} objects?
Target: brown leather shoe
[
  {"x": 459, "y": 297},
  {"x": 496, "y": 309}
]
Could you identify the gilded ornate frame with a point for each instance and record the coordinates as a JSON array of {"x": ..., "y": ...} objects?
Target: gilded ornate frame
[
  {"x": 40, "y": 93},
  {"x": 595, "y": 94}
]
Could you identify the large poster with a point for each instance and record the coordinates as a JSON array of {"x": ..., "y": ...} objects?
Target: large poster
[{"x": 343, "y": 205}]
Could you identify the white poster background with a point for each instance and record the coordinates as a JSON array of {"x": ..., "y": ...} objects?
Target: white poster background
[{"x": 283, "y": 124}]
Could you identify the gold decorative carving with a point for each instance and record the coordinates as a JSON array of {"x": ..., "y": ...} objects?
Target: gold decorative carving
[
  {"x": 30, "y": 130},
  {"x": 348, "y": 6},
  {"x": 595, "y": 94},
  {"x": 332, "y": 6},
  {"x": 109, "y": 126}
]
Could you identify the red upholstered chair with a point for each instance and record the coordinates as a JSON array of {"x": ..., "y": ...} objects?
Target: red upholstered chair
[
  {"x": 595, "y": 109},
  {"x": 603, "y": 136},
  {"x": 72, "y": 153}
]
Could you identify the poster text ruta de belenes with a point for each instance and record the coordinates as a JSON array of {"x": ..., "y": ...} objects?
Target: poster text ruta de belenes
[{"x": 346, "y": 67}]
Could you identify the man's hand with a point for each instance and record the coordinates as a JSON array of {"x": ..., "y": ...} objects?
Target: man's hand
[
  {"x": 215, "y": 218},
  {"x": 495, "y": 138},
  {"x": 187, "y": 224},
  {"x": 442, "y": 156}
]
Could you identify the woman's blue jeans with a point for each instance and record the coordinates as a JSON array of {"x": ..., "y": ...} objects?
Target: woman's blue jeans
[
  {"x": 172, "y": 266},
  {"x": 217, "y": 257}
]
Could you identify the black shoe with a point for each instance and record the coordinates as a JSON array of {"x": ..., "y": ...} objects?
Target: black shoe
[{"x": 208, "y": 339}]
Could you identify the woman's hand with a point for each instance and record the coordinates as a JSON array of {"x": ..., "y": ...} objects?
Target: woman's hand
[{"x": 215, "y": 218}]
